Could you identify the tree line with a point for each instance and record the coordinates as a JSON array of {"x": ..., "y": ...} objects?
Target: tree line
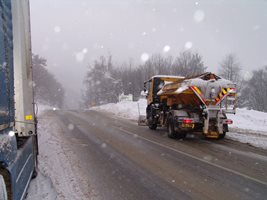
[
  {"x": 47, "y": 90},
  {"x": 105, "y": 80}
]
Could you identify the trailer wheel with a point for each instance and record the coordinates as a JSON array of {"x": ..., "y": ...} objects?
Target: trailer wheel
[
  {"x": 3, "y": 191},
  {"x": 171, "y": 132}
]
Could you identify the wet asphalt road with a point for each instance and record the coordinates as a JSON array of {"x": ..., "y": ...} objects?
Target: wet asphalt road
[{"x": 121, "y": 160}]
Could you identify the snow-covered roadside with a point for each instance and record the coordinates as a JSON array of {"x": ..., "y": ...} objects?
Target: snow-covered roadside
[
  {"x": 56, "y": 179},
  {"x": 249, "y": 126},
  {"x": 41, "y": 187}
]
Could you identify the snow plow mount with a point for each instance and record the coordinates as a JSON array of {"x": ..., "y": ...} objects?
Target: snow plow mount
[{"x": 214, "y": 122}]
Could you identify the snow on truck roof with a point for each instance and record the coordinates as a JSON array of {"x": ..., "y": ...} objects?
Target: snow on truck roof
[
  {"x": 166, "y": 76},
  {"x": 203, "y": 76},
  {"x": 201, "y": 81}
]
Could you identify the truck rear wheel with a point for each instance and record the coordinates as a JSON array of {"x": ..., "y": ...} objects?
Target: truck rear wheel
[
  {"x": 3, "y": 191},
  {"x": 171, "y": 132},
  {"x": 153, "y": 126}
]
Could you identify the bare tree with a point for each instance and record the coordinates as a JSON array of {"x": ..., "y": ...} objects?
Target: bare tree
[
  {"x": 255, "y": 90},
  {"x": 230, "y": 68},
  {"x": 188, "y": 64},
  {"x": 103, "y": 81}
]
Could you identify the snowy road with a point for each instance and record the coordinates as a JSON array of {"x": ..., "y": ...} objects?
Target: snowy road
[{"x": 115, "y": 159}]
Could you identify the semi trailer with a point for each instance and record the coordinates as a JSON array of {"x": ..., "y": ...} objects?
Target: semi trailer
[{"x": 18, "y": 123}]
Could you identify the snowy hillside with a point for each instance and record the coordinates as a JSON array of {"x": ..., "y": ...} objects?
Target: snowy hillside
[{"x": 249, "y": 126}]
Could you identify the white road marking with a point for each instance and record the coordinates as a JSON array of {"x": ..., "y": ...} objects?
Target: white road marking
[{"x": 196, "y": 158}]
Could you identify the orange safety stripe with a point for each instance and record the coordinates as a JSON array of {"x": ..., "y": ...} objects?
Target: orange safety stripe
[
  {"x": 195, "y": 89},
  {"x": 222, "y": 94},
  {"x": 198, "y": 91}
]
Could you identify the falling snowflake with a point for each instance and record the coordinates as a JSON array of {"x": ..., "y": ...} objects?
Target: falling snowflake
[
  {"x": 166, "y": 48},
  {"x": 11, "y": 133},
  {"x": 32, "y": 83},
  {"x": 199, "y": 16},
  {"x": 256, "y": 27},
  {"x": 79, "y": 56},
  {"x": 144, "y": 33},
  {"x": 85, "y": 50},
  {"x": 103, "y": 145},
  {"x": 144, "y": 57},
  {"x": 57, "y": 29},
  {"x": 188, "y": 45},
  {"x": 70, "y": 127}
]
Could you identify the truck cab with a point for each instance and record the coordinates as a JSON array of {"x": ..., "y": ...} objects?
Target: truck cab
[{"x": 156, "y": 103}]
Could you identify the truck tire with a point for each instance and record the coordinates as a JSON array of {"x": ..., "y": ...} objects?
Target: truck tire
[
  {"x": 171, "y": 132},
  {"x": 153, "y": 126},
  {"x": 152, "y": 123},
  {"x": 3, "y": 191}
]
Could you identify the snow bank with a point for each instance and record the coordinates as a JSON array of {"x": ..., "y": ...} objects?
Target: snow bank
[
  {"x": 41, "y": 188},
  {"x": 250, "y": 119},
  {"x": 125, "y": 109},
  {"x": 249, "y": 126}
]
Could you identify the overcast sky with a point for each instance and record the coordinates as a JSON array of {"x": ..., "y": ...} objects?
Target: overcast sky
[{"x": 70, "y": 34}]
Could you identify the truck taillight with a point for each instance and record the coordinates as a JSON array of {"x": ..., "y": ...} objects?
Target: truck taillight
[
  {"x": 228, "y": 121},
  {"x": 187, "y": 121}
]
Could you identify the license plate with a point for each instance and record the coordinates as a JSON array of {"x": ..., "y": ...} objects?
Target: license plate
[{"x": 188, "y": 125}]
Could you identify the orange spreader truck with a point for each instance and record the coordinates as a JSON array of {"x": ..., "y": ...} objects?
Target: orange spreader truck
[{"x": 190, "y": 104}]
